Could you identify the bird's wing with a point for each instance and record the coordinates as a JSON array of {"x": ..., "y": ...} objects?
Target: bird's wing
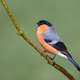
[
  {"x": 62, "y": 48},
  {"x": 59, "y": 46}
]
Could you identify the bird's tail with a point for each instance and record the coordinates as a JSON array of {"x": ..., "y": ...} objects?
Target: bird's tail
[{"x": 70, "y": 58}]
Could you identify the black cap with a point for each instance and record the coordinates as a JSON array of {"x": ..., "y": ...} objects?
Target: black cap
[{"x": 41, "y": 22}]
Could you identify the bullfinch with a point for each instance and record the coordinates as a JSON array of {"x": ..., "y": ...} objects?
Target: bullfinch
[{"x": 51, "y": 42}]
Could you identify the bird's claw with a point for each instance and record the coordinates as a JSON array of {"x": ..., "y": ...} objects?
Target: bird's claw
[
  {"x": 48, "y": 57},
  {"x": 54, "y": 57}
]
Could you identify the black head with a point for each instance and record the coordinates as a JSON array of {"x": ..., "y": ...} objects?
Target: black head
[{"x": 41, "y": 22}]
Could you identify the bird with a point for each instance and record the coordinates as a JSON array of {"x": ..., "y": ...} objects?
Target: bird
[{"x": 52, "y": 42}]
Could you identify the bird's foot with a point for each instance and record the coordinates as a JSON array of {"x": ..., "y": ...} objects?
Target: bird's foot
[
  {"x": 51, "y": 58},
  {"x": 54, "y": 57}
]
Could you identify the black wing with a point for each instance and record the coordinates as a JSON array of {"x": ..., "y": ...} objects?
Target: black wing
[
  {"x": 60, "y": 46},
  {"x": 48, "y": 41}
]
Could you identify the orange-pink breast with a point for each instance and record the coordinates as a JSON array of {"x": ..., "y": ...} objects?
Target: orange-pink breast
[{"x": 44, "y": 44}]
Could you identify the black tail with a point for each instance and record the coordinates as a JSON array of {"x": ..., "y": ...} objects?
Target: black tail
[
  {"x": 70, "y": 58},
  {"x": 74, "y": 63}
]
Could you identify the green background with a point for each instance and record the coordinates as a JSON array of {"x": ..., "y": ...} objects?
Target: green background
[{"x": 18, "y": 60}]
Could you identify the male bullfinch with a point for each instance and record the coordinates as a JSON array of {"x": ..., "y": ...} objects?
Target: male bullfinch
[{"x": 51, "y": 42}]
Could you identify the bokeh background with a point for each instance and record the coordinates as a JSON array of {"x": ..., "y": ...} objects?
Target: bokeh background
[{"x": 18, "y": 60}]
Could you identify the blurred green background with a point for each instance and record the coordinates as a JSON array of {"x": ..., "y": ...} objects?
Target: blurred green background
[{"x": 18, "y": 60}]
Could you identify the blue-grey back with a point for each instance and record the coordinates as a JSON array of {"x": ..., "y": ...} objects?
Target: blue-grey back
[{"x": 52, "y": 35}]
